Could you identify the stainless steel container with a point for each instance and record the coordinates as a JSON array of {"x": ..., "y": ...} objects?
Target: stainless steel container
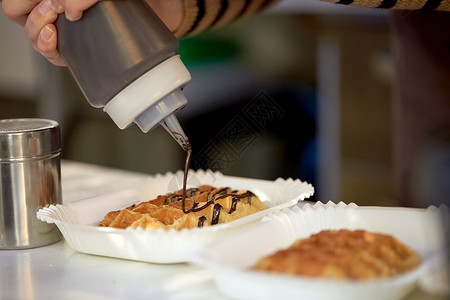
[{"x": 30, "y": 179}]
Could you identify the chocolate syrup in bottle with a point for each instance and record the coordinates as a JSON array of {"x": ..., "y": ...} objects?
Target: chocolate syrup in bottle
[{"x": 125, "y": 61}]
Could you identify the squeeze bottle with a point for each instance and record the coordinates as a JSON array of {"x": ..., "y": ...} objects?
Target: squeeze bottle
[{"x": 125, "y": 60}]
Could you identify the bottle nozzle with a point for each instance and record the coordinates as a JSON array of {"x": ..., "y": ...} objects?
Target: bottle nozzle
[
  {"x": 172, "y": 125},
  {"x": 162, "y": 110}
]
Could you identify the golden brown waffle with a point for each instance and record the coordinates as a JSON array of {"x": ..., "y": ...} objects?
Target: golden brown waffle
[
  {"x": 343, "y": 254},
  {"x": 203, "y": 206}
]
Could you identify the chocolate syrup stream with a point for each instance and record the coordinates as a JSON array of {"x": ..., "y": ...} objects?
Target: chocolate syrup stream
[
  {"x": 212, "y": 196},
  {"x": 188, "y": 149},
  {"x": 183, "y": 140},
  {"x": 222, "y": 193}
]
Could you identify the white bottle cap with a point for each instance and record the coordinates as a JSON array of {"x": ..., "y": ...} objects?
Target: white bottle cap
[{"x": 152, "y": 97}]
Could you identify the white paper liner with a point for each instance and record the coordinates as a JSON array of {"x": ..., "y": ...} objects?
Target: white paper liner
[
  {"x": 230, "y": 258},
  {"x": 78, "y": 221}
]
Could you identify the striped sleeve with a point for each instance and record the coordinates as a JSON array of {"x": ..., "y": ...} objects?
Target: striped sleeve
[
  {"x": 442, "y": 5},
  {"x": 200, "y": 15}
]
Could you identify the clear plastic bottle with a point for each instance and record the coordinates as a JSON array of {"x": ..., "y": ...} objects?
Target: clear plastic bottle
[{"x": 124, "y": 60}]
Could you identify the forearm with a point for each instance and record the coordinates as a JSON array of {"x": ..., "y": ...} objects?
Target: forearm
[
  {"x": 182, "y": 17},
  {"x": 198, "y": 16},
  {"x": 442, "y": 5}
]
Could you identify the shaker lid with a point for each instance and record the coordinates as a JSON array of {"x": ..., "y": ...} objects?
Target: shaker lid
[{"x": 28, "y": 138}]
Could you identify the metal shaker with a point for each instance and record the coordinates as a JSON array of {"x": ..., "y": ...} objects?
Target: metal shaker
[{"x": 30, "y": 179}]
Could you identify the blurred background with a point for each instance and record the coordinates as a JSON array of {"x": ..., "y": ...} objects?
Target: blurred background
[{"x": 303, "y": 90}]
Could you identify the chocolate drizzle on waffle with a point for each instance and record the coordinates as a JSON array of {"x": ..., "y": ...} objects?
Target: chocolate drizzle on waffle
[
  {"x": 211, "y": 198},
  {"x": 201, "y": 221},
  {"x": 204, "y": 206}
]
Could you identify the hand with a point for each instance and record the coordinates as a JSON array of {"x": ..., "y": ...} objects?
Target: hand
[{"x": 37, "y": 18}]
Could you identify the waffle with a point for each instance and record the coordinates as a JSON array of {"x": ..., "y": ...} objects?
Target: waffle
[
  {"x": 203, "y": 206},
  {"x": 343, "y": 254}
]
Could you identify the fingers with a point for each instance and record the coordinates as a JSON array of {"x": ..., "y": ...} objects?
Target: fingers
[
  {"x": 47, "y": 45},
  {"x": 74, "y": 8},
  {"x": 170, "y": 12},
  {"x": 17, "y": 10},
  {"x": 41, "y": 32},
  {"x": 38, "y": 16},
  {"x": 44, "y": 13}
]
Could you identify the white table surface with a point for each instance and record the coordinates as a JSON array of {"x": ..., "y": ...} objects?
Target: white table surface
[{"x": 58, "y": 272}]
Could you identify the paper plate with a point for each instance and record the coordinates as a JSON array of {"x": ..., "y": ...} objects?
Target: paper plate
[
  {"x": 78, "y": 221},
  {"x": 229, "y": 259}
]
